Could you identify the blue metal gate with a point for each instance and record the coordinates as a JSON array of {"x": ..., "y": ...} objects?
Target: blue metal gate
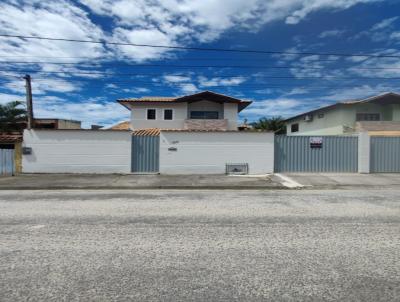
[
  {"x": 145, "y": 153},
  {"x": 7, "y": 162},
  {"x": 385, "y": 154},
  {"x": 316, "y": 154}
]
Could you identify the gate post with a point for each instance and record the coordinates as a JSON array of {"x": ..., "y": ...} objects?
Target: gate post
[{"x": 364, "y": 147}]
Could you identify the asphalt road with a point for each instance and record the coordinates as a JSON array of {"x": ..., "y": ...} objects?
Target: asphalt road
[{"x": 200, "y": 245}]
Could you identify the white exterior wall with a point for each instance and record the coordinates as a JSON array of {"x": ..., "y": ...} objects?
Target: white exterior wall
[
  {"x": 140, "y": 121},
  {"x": 231, "y": 114},
  {"x": 209, "y": 152},
  {"x": 77, "y": 151},
  {"x": 180, "y": 114}
]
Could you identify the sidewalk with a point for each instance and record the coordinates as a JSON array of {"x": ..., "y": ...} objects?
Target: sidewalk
[
  {"x": 345, "y": 180},
  {"x": 276, "y": 181},
  {"x": 116, "y": 181}
]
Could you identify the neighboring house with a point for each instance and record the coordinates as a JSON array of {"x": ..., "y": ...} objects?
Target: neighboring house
[
  {"x": 204, "y": 110},
  {"x": 55, "y": 123},
  {"x": 11, "y": 142},
  {"x": 377, "y": 115},
  {"x": 126, "y": 125}
]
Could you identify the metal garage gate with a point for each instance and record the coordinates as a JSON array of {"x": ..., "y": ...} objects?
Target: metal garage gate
[
  {"x": 145, "y": 153},
  {"x": 6, "y": 161},
  {"x": 316, "y": 154},
  {"x": 385, "y": 154}
]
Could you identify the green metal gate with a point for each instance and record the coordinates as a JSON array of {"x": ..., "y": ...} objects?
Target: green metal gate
[
  {"x": 316, "y": 153},
  {"x": 145, "y": 153},
  {"x": 385, "y": 154}
]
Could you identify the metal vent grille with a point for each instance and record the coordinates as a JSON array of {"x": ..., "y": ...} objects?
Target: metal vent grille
[{"x": 238, "y": 169}]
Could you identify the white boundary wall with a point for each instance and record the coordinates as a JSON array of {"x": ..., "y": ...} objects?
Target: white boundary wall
[
  {"x": 77, "y": 151},
  {"x": 209, "y": 152}
]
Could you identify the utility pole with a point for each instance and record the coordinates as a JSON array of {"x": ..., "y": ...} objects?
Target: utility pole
[{"x": 29, "y": 106}]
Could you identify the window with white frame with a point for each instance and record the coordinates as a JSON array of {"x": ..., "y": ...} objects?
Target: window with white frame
[
  {"x": 168, "y": 114},
  {"x": 151, "y": 114},
  {"x": 294, "y": 128}
]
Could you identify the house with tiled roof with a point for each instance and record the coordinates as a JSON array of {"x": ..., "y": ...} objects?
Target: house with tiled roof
[
  {"x": 192, "y": 134},
  {"x": 200, "y": 111},
  {"x": 378, "y": 115}
]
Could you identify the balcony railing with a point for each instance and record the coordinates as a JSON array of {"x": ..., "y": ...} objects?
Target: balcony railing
[
  {"x": 378, "y": 126},
  {"x": 200, "y": 124}
]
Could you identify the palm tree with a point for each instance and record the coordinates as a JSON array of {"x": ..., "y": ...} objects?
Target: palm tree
[
  {"x": 12, "y": 116},
  {"x": 275, "y": 124}
]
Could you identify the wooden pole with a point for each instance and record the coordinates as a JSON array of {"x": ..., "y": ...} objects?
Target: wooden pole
[{"x": 29, "y": 105}]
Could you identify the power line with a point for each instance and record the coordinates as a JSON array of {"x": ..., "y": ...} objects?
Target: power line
[
  {"x": 105, "y": 42},
  {"x": 73, "y": 73},
  {"x": 192, "y": 66}
]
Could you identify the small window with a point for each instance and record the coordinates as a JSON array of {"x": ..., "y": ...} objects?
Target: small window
[
  {"x": 151, "y": 114},
  {"x": 168, "y": 114},
  {"x": 321, "y": 115},
  {"x": 368, "y": 117},
  {"x": 294, "y": 128}
]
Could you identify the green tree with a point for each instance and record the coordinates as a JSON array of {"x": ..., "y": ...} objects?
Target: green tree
[
  {"x": 12, "y": 116},
  {"x": 275, "y": 124}
]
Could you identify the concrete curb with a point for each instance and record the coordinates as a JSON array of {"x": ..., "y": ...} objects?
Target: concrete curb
[{"x": 147, "y": 188}]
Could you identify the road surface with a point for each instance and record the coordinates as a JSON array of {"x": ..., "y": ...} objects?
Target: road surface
[{"x": 200, "y": 245}]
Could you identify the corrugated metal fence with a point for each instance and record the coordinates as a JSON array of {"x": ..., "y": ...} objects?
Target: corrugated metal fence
[
  {"x": 6, "y": 162},
  {"x": 145, "y": 154},
  {"x": 385, "y": 154},
  {"x": 335, "y": 154}
]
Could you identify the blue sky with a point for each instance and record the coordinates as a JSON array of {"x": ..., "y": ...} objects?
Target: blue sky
[{"x": 82, "y": 80}]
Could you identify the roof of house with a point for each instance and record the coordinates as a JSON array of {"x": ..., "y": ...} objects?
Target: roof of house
[
  {"x": 208, "y": 95},
  {"x": 381, "y": 98},
  {"x": 126, "y": 125},
  {"x": 10, "y": 137}
]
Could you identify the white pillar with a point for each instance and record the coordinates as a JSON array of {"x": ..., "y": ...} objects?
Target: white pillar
[{"x": 364, "y": 152}]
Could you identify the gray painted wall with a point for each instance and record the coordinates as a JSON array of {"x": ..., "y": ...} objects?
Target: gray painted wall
[
  {"x": 209, "y": 152},
  {"x": 77, "y": 151}
]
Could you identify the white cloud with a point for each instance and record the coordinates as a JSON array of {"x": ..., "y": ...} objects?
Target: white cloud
[
  {"x": 384, "y": 24},
  {"x": 379, "y": 32},
  {"x": 92, "y": 111},
  {"x": 357, "y": 92},
  {"x": 42, "y": 87},
  {"x": 188, "y": 88},
  {"x": 50, "y": 19},
  {"x": 274, "y": 107},
  {"x": 176, "y": 78},
  {"x": 160, "y": 22},
  {"x": 216, "y": 81},
  {"x": 6, "y": 98},
  {"x": 136, "y": 90},
  {"x": 331, "y": 33}
]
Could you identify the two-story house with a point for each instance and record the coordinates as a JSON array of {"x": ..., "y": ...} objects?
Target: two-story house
[
  {"x": 201, "y": 111},
  {"x": 377, "y": 115}
]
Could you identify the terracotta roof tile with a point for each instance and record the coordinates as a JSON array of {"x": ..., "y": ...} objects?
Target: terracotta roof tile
[
  {"x": 10, "y": 137},
  {"x": 121, "y": 126},
  {"x": 156, "y": 131},
  {"x": 147, "y": 132}
]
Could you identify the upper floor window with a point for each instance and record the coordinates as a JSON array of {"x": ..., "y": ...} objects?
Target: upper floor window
[
  {"x": 294, "y": 128},
  {"x": 204, "y": 115},
  {"x": 168, "y": 114},
  {"x": 151, "y": 114},
  {"x": 368, "y": 117}
]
